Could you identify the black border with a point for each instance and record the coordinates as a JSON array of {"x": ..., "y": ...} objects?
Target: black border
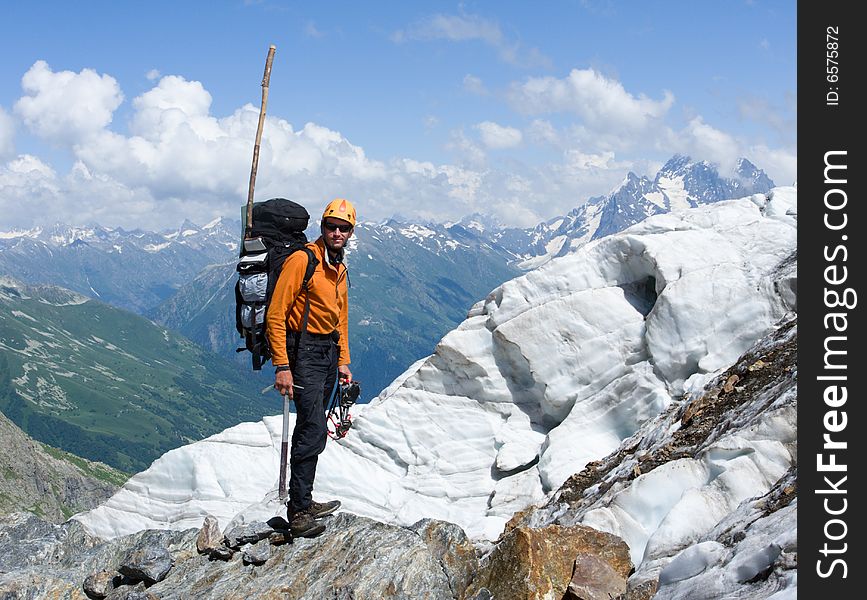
[{"x": 822, "y": 128}]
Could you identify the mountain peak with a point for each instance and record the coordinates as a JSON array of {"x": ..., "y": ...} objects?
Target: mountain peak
[{"x": 676, "y": 163}]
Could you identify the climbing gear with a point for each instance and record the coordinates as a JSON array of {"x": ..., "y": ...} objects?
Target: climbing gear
[
  {"x": 337, "y": 411},
  {"x": 284, "y": 449},
  {"x": 278, "y": 231},
  {"x": 340, "y": 208}
]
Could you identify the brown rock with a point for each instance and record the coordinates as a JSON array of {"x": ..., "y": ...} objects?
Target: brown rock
[
  {"x": 530, "y": 564},
  {"x": 209, "y": 536},
  {"x": 594, "y": 579},
  {"x": 729, "y": 386},
  {"x": 278, "y": 538}
]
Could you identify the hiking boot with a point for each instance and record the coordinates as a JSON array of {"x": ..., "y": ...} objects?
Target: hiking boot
[
  {"x": 321, "y": 509},
  {"x": 302, "y": 524}
]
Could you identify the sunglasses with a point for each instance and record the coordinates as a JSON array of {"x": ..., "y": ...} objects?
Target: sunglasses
[{"x": 344, "y": 228}]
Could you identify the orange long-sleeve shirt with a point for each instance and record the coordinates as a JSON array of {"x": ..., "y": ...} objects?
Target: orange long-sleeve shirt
[{"x": 329, "y": 303}]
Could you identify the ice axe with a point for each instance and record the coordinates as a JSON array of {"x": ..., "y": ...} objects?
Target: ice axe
[
  {"x": 284, "y": 440},
  {"x": 284, "y": 449}
]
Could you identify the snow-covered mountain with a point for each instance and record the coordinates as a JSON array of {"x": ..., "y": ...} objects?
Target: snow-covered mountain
[
  {"x": 681, "y": 183},
  {"x": 135, "y": 270},
  {"x": 90, "y": 259},
  {"x": 550, "y": 372}
]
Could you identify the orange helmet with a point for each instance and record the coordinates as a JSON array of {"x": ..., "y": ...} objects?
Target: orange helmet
[{"x": 340, "y": 209}]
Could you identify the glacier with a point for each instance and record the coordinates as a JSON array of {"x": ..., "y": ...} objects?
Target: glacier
[{"x": 551, "y": 371}]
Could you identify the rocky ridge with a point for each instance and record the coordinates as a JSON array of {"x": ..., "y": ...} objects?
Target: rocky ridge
[{"x": 49, "y": 482}]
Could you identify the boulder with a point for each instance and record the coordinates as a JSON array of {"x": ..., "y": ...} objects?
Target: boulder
[
  {"x": 148, "y": 563},
  {"x": 532, "y": 564},
  {"x": 209, "y": 536}
]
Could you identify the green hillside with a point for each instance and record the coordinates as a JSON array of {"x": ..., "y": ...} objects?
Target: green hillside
[{"x": 109, "y": 385}]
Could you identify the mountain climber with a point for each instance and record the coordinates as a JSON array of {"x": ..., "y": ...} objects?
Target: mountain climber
[{"x": 322, "y": 354}]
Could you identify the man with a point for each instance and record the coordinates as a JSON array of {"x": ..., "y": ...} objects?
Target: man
[{"x": 322, "y": 354}]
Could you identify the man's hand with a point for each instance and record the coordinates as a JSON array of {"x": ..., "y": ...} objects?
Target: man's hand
[
  {"x": 283, "y": 383},
  {"x": 344, "y": 374}
]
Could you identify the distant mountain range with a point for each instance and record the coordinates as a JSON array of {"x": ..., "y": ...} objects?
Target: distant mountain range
[
  {"x": 681, "y": 183},
  {"x": 109, "y": 385},
  {"x": 410, "y": 282},
  {"x": 135, "y": 270},
  {"x": 139, "y": 270}
]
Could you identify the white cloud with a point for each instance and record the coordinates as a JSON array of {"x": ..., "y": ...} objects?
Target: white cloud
[
  {"x": 180, "y": 161},
  {"x": 702, "y": 141},
  {"x": 602, "y": 103},
  {"x": 152, "y": 75},
  {"x": 780, "y": 164},
  {"x": 64, "y": 106},
  {"x": 541, "y": 131},
  {"x": 474, "y": 85},
  {"x": 586, "y": 162},
  {"x": 464, "y": 28},
  {"x": 310, "y": 30},
  {"x": 453, "y": 27},
  {"x": 7, "y": 134},
  {"x": 778, "y": 116},
  {"x": 497, "y": 136},
  {"x": 173, "y": 103},
  {"x": 467, "y": 149}
]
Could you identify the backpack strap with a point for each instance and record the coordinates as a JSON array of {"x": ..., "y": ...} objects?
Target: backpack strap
[{"x": 312, "y": 262}]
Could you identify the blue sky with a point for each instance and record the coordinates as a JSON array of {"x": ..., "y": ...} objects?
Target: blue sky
[{"x": 144, "y": 113}]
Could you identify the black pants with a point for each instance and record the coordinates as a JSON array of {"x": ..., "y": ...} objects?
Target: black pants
[{"x": 315, "y": 370}]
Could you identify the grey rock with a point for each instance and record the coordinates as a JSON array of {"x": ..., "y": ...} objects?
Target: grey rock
[
  {"x": 209, "y": 536},
  {"x": 255, "y": 554},
  {"x": 43, "y": 560},
  {"x": 221, "y": 553},
  {"x": 136, "y": 592},
  {"x": 356, "y": 558},
  {"x": 149, "y": 563},
  {"x": 449, "y": 544},
  {"x": 26, "y": 540},
  {"x": 249, "y": 533}
]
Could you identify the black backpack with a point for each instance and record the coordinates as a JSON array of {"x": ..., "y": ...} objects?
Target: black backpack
[{"x": 277, "y": 231}]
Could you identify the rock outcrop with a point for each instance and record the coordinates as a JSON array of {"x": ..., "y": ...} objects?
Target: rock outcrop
[{"x": 47, "y": 482}]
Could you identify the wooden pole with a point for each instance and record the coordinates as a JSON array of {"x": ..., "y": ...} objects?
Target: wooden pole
[{"x": 265, "y": 82}]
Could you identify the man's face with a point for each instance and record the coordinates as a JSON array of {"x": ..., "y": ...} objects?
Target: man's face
[{"x": 335, "y": 232}]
